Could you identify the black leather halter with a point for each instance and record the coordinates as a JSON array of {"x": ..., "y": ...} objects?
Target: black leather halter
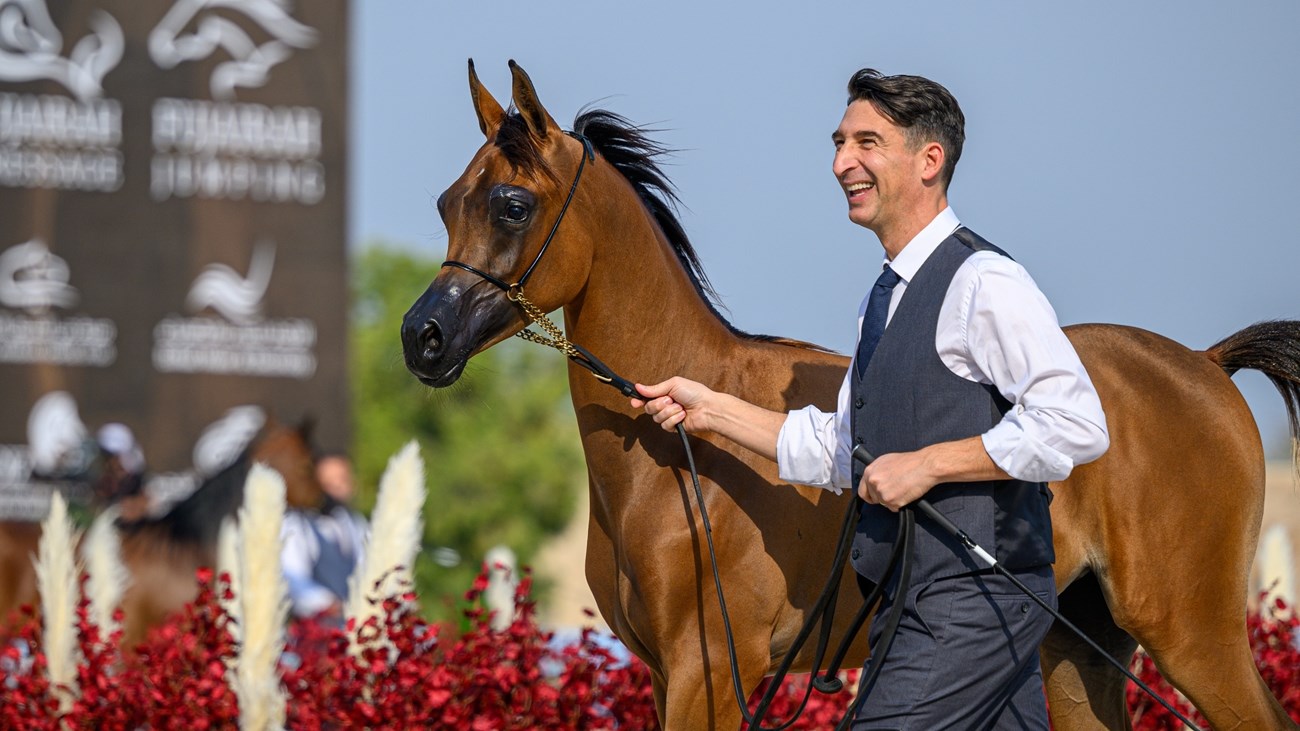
[{"x": 589, "y": 153}]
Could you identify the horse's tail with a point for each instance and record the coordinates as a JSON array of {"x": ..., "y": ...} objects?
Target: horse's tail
[{"x": 1272, "y": 348}]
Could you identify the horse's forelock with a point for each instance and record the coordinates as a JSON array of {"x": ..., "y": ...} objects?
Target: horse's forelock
[{"x": 516, "y": 143}]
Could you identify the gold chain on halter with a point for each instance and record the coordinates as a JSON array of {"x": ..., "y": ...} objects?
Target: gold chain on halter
[{"x": 535, "y": 314}]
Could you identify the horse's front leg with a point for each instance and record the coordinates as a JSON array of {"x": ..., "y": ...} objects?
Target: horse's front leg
[{"x": 699, "y": 692}]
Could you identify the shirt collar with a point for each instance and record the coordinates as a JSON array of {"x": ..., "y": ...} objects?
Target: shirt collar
[{"x": 909, "y": 260}]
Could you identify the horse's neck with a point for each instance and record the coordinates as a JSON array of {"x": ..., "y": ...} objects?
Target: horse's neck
[
  {"x": 198, "y": 517},
  {"x": 641, "y": 313}
]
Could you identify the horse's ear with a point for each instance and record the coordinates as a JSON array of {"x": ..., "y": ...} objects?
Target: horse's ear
[
  {"x": 306, "y": 427},
  {"x": 488, "y": 110},
  {"x": 535, "y": 115}
]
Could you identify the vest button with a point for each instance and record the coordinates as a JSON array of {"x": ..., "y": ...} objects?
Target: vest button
[
  {"x": 857, "y": 441},
  {"x": 857, "y": 403},
  {"x": 857, "y": 554}
]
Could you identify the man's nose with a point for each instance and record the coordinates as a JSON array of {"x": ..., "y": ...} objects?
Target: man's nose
[{"x": 842, "y": 163}]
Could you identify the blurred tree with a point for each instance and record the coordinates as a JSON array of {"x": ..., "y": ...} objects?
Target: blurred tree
[{"x": 501, "y": 447}]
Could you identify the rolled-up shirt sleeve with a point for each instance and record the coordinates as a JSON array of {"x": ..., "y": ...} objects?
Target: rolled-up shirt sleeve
[
  {"x": 1011, "y": 338},
  {"x": 812, "y": 448}
]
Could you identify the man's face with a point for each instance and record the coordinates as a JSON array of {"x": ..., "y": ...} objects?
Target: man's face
[
  {"x": 878, "y": 170},
  {"x": 335, "y": 477}
]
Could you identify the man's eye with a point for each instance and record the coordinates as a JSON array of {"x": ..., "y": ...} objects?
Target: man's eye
[{"x": 515, "y": 212}]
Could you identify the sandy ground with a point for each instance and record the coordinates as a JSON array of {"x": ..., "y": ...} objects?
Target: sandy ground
[{"x": 560, "y": 563}]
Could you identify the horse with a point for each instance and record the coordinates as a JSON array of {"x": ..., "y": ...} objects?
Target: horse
[
  {"x": 163, "y": 553},
  {"x": 1183, "y": 442}
]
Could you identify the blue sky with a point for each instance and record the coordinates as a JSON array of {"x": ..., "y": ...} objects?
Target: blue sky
[{"x": 1139, "y": 158}]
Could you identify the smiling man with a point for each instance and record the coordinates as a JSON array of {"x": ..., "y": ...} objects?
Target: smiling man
[{"x": 971, "y": 395}]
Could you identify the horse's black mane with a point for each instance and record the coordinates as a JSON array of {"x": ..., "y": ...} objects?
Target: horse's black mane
[
  {"x": 197, "y": 519},
  {"x": 633, "y": 153}
]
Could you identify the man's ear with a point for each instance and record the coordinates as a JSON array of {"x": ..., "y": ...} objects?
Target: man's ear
[{"x": 933, "y": 157}]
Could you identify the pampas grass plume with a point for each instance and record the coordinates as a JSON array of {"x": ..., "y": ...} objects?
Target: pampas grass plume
[
  {"x": 228, "y": 564},
  {"x": 263, "y": 597},
  {"x": 56, "y": 578},
  {"x": 395, "y": 529},
  {"x": 101, "y": 553}
]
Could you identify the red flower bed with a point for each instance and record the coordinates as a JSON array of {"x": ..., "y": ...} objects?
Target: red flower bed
[{"x": 419, "y": 675}]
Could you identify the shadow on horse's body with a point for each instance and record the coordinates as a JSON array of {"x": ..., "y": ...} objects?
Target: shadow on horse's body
[
  {"x": 1184, "y": 445},
  {"x": 162, "y": 554}
]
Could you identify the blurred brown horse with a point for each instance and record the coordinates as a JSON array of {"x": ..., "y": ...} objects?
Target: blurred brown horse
[
  {"x": 163, "y": 553},
  {"x": 1153, "y": 541}
]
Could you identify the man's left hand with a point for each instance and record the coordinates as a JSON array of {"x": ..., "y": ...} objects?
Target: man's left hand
[{"x": 895, "y": 480}]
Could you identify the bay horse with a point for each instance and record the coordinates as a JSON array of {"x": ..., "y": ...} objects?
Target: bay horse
[
  {"x": 1153, "y": 541},
  {"x": 162, "y": 553}
]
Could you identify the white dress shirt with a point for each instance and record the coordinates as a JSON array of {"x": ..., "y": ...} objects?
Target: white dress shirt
[
  {"x": 300, "y": 550},
  {"x": 995, "y": 327}
]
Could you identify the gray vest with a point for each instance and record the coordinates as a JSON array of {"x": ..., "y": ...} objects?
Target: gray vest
[
  {"x": 334, "y": 565},
  {"x": 908, "y": 399}
]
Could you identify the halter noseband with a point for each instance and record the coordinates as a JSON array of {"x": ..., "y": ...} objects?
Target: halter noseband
[{"x": 513, "y": 290}]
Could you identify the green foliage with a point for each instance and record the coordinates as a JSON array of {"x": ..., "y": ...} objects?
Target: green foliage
[{"x": 501, "y": 447}]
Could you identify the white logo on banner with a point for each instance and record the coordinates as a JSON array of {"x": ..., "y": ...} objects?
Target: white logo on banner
[
  {"x": 56, "y": 436},
  {"x": 31, "y": 278},
  {"x": 30, "y": 48},
  {"x": 35, "y": 280},
  {"x": 250, "y": 63},
  {"x": 246, "y": 344},
  {"x": 55, "y": 141},
  {"x": 223, "y": 149},
  {"x": 224, "y": 439},
  {"x": 238, "y": 299}
]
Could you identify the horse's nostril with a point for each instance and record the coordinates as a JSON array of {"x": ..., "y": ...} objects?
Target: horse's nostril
[{"x": 431, "y": 338}]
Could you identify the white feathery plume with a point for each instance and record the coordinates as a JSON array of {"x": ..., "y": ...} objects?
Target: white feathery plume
[
  {"x": 264, "y": 603},
  {"x": 108, "y": 577},
  {"x": 56, "y": 577},
  {"x": 228, "y": 564},
  {"x": 396, "y": 525}
]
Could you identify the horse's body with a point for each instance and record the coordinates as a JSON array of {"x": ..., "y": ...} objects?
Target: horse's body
[
  {"x": 1154, "y": 540},
  {"x": 162, "y": 554}
]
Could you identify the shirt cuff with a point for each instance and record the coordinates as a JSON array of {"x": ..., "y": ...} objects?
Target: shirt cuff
[
  {"x": 803, "y": 456},
  {"x": 1023, "y": 458},
  {"x": 309, "y": 598}
]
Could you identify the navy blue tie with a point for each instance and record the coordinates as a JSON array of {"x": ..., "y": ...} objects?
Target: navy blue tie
[{"x": 873, "y": 322}]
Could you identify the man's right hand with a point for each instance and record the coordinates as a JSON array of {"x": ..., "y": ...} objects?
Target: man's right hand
[{"x": 676, "y": 401}]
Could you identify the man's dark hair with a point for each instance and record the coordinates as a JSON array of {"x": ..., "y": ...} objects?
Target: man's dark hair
[{"x": 926, "y": 111}]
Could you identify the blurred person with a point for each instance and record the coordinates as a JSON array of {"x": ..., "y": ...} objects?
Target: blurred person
[
  {"x": 120, "y": 480},
  {"x": 322, "y": 547}
]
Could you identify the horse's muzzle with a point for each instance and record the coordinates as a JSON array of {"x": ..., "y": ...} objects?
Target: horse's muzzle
[{"x": 425, "y": 345}]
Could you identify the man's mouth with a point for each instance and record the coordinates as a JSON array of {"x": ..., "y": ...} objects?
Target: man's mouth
[{"x": 858, "y": 190}]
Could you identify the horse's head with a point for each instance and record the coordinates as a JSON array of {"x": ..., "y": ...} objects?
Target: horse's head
[
  {"x": 287, "y": 450},
  {"x": 500, "y": 215}
]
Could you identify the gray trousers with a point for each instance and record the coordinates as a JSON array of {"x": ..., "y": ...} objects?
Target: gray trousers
[{"x": 965, "y": 657}]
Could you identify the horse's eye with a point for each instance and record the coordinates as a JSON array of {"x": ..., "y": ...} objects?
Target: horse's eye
[{"x": 515, "y": 212}]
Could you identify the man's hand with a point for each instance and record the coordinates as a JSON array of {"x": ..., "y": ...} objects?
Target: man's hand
[
  {"x": 895, "y": 480},
  {"x": 676, "y": 401}
]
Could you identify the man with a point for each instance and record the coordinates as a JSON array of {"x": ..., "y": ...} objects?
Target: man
[
  {"x": 321, "y": 548},
  {"x": 971, "y": 397}
]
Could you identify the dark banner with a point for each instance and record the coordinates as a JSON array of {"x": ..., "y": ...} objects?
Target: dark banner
[{"x": 172, "y": 254}]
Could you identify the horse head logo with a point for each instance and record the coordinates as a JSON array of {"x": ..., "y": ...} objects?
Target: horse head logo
[
  {"x": 224, "y": 439},
  {"x": 33, "y": 279},
  {"x": 237, "y": 298},
  {"x": 30, "y": 47},
  {"x": 192, "y": 31}
]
